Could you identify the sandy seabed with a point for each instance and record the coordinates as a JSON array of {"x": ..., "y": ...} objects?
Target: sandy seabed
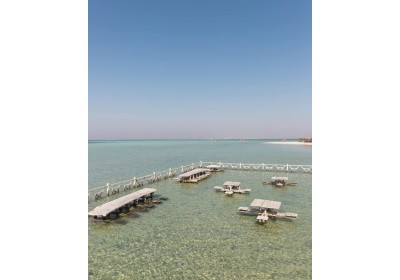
[{"x": 289, "y": 143}]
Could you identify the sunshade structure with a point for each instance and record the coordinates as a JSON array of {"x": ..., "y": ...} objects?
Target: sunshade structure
[
  {"x": 193, "y": 172},
  {"x": 279, "y": 178},
  {"x": 232, "y": 184},
  {"x": 266, "y": 204}
]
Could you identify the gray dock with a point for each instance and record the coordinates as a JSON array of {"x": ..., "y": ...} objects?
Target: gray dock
[
  {"x": 266, "y": 204},
  {"x": 106, "y": 208},
  {"x": 194, "y": 176},
  {"x": 231, "y": 187},
  {"x": 264, "y": 208}
]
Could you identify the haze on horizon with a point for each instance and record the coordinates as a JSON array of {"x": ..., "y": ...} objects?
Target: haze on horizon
[{"x": 199, "y": 69}]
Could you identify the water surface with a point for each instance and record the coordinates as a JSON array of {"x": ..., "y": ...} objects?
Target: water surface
[{"x": 197, "y": 233}]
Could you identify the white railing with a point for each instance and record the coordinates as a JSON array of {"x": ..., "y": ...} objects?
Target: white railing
[
  {"x": 261, "y": 166},
  {"x": 135, "y": 182}
]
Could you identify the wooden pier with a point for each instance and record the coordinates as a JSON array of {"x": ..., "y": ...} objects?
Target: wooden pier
[
  {"x": 193, "y": 176},
  {"x": 124, "y": 202},
  {"x": 136, "y": 182}
]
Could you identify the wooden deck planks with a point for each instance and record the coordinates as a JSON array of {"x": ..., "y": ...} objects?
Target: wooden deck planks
[
  {"x": 271, "y": 204},
  {"x": 264, "y": 203},
  {"x": 257, "y": 202},
  {"x": 193, "y": 172},
  {"x": 106, "y": 208}
]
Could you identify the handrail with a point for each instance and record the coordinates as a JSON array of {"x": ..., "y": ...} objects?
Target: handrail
[{"x": 135, "y": 182}]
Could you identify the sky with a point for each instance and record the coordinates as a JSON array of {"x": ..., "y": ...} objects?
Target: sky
[{"x": 182, "y": 69}]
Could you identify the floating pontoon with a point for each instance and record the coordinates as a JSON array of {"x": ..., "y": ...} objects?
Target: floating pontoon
[
  {"x": 230, "y": 187},
  {"x": 193, "y": 176},
  {"x": 263, "y": 209}
]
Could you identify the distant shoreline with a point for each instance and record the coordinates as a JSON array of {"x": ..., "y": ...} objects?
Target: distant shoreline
[{"x": 289, "y": 143}]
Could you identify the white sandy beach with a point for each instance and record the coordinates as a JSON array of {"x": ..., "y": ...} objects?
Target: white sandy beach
[{"x": 289, "y": 143}]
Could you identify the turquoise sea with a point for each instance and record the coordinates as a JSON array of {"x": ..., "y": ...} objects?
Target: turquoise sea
[{"x": 197, "y": 233}]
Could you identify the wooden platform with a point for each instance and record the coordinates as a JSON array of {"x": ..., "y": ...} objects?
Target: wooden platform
[
  {"x": 231, "y": 187},
  {"x": 266, "y": 204},
  {"x": 106, "y": 208},
  {"x": 264, "y": 208},
  {"x": 242, "y": 191},
  {"x": 194, "y": 176}
]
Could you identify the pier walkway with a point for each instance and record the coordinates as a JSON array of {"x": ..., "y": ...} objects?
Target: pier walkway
[
  {"x": 194, "y": 176},
  {"x": 135, "y": 182},
  {"x": 106, "y": 208}
]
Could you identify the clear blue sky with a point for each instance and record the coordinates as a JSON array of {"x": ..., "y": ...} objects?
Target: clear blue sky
[{"x": 199, "y": 69}]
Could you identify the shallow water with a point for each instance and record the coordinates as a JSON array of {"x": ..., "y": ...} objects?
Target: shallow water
[{"x": 197, "y": 233}]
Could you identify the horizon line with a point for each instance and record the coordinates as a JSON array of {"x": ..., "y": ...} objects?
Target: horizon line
[{"x": 224, "y": 138}]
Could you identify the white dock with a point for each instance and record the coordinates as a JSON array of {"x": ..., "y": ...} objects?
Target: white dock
[
  {"x": 264, "y": 208},
  {"x": 106, "y": 208},
  {"x": 194, "y": 176},
  {"x": 231, "y": 187}
]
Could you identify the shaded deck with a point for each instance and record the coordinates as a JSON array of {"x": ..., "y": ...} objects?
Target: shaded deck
[
  {"x": 264, "y": 208},
  {"x": 106, "y": 208},
  {"x": 231, "y": 187},
  {"x": 266, "y": 204},
  {"x": 194, "y": 176}
]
